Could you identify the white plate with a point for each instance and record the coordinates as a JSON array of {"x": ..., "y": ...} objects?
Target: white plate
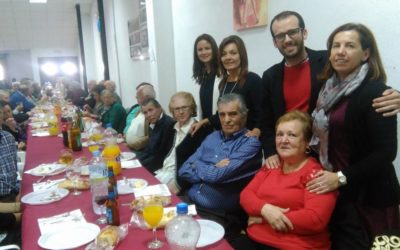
[
  {"x": 47, "y": 169},
  {"x": 210, "y": 232},
  {"x": 69, "y": 237},
  {"x": 129, "y": 186},
  {"x": 44, "y": 196},
  {"x": 126, "y": 156}
]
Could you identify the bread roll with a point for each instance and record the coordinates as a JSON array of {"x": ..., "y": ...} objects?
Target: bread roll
[{"x": 108, "y": 237}]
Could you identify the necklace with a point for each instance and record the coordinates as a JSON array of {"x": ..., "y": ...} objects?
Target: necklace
[{"x": 234, "y": 86}]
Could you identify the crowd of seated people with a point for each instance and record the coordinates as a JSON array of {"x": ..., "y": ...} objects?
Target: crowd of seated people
[{"x": 298, "y": 199}]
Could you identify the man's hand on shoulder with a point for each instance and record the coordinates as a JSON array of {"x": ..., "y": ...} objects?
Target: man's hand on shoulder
[{"x": 388, "y": 103}]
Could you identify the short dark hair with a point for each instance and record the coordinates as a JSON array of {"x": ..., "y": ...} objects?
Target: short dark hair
[{"x": 286, "y": 14}]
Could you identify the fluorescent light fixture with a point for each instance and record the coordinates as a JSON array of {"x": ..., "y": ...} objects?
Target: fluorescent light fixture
[
  {"x": 49, "y": 69},
  {"x": 69, "y": 68},
  {"x": 38, "y": 1},
  {"x": 2, "y": 74}
]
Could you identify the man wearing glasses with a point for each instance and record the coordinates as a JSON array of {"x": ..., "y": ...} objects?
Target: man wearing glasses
[{"x": 292, "y": 83}]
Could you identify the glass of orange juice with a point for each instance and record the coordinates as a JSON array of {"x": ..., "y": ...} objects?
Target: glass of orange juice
[{"x": 153, "y": 212}]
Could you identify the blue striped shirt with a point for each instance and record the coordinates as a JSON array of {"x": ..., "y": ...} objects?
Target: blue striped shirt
[{"x": 210, "y": 184}]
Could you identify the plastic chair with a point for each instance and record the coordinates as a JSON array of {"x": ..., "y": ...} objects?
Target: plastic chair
[{"x": 10, "y": 247}]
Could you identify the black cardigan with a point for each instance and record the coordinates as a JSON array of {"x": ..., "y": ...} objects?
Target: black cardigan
[{"x": 372, "y": 138}]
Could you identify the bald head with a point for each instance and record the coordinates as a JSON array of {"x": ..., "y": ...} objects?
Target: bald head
[{"x": 144, "y": 93}]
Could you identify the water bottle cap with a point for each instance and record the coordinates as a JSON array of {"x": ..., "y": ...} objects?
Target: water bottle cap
[
  {"x": 96, "y": 153},
  {"x": 182, "y": 208}
]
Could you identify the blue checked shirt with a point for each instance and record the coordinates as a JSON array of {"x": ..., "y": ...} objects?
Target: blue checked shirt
[
  {"x": 200, "y": 169},
  {"x": 8, "y": 164}
]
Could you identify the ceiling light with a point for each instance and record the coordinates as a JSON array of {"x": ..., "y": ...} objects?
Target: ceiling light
[
  {"x": 38, "y": 1},
  {"x": 49, "y": 69},
  {"x": 69, "y": 68}
]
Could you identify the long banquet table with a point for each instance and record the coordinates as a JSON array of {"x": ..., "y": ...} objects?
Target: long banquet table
[{"x": 46, "y": 150}]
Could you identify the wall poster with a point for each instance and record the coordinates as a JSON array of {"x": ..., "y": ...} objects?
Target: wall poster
[
  {"x": 138, "y": 36},
  {"x": 249, "y": 14}
]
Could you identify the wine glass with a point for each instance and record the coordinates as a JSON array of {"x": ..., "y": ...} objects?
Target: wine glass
[
  {"x": 73, "y": 173},
  {"x": 101, "y": 201},
  {"x": 152, "y": 213}
]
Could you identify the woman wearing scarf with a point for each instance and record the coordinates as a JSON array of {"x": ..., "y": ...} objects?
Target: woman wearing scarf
[{"x": 356, "y": 145}]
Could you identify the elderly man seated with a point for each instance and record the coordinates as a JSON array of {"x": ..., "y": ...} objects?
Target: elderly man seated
[
  {"x": 222, "y": 166},
  {"x": 136, "y": 129},
  {"x": 159, "y": 122}
]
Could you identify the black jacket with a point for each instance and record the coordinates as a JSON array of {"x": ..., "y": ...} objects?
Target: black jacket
[{"x": 274, "y": 103}]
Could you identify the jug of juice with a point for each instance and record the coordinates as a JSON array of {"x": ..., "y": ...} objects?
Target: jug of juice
[
  {"x": 111, "y": 152},
  {"x": 53, "y": 125}
]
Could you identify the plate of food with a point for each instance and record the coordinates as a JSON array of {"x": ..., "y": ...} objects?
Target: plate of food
[
  {"x": 47, "y": 169},
  {"x": 78, "y": 235},
  {"x": 129, "y": 186},
  {"x": 126, "y": 156},
  {"x": 44, "y": 196}
]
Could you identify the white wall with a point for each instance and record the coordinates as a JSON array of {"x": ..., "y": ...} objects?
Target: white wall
[
  {"x": 192, "y": 18},
  {"x": 52, "y": 52},
  {"x": 180, "y": 21},
  {"x": 89, "y": 47},
  {"x": 18, "y": 64}
]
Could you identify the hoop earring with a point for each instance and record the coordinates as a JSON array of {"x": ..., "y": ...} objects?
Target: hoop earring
[{"x": 308, "y": 150}]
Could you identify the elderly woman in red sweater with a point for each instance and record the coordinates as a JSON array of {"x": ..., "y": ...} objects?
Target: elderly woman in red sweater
[{"x": 282, "y": 213}]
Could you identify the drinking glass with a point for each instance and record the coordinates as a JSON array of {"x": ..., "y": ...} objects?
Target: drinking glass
[
  {"x": 73, "y": 173},
  {"x": 152, "y": 213},
  {"x": 66, "y": 157},
  {"x": 101, "y": 201}
]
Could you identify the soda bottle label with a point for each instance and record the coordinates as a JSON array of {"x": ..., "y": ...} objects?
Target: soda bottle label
[{"x": 109, "y": 215}]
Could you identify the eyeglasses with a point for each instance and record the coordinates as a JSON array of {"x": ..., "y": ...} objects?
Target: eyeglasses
[
  {"x": 179, "y": 109},
  {"x": 291, "y": 33}
]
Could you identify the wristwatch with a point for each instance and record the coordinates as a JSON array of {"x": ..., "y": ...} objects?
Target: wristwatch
[{"x": 342, "y": 178}]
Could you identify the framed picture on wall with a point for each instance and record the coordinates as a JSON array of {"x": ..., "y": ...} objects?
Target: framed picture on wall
[
  {"x": 138, "y": 35},
  {"x": 249, "y": 14}
]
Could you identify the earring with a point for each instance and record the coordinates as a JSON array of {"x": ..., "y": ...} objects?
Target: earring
[{"x": 308, "y": 150}]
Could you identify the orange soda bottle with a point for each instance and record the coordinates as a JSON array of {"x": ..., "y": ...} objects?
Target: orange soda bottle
[{"x": 111, "y": 152}]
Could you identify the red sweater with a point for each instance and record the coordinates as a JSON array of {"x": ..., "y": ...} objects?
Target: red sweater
[{"x": 309, "y": 213}]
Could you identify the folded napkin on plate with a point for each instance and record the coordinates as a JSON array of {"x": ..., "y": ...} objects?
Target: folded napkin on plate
[
  {"x": 40, "y": 133},
  {"x": 135, "y": 163},
  {"x": 50, "y": 184},
  {"x": 159, "y": 189},
  {"x": 46, "y": 169},
  {"x": 59, "y": 221}
]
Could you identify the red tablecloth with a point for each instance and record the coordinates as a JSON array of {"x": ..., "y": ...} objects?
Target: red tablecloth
[{"x": 46, "y": 150}]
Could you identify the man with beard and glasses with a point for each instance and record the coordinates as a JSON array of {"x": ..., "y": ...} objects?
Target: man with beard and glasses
[{"x": 292, "y": 84}]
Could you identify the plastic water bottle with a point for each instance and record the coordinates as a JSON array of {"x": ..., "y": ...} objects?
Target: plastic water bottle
[
  {"x": 98, "y": 180},
  {"x": 182, "y": 232}
]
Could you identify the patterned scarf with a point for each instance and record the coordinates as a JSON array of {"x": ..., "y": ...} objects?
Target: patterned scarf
[{"x": 330, "y": 94}]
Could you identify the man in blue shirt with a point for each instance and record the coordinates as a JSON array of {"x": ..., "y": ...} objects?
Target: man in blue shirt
[{"x": 222, "y": 166}]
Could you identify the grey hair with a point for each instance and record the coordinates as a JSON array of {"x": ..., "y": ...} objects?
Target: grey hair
[
  {"x": 148, "y": 91},
  {"x": 232, "y": 97}
]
